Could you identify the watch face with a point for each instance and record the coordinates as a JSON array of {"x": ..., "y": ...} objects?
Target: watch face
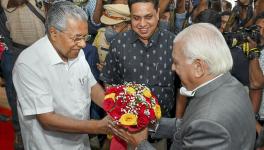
[
  {"x": 253, "y": 55},
  {"x": 257, "y": 117},
  {"x": 153, "y": 127}
]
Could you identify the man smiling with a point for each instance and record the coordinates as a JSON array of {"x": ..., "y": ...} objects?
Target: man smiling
[
  {"x": 55, "y": 85},
  {"x": 142, "y": 55}
]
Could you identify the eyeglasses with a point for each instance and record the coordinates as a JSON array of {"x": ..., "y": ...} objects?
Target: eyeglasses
[{"x": 78, "y": 38}]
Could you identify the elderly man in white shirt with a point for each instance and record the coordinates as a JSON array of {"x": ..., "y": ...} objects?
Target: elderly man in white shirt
[{"x": 55, "y": 85}]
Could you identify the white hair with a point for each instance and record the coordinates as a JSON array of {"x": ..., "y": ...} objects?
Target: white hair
[
  {"x": 61, "y": 11},
  {"x": 204, "y": 41}
]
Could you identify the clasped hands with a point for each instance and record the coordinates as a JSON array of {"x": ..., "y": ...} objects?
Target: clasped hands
[{"x": 132, "y": 138}]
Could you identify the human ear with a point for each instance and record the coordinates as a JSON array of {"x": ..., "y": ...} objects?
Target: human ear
[
  {"x": 53, "y": 33},
  {"x": 199, "y": 67}
]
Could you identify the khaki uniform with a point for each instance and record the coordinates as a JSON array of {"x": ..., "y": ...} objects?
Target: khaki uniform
[{"x": 101, "y": 44}]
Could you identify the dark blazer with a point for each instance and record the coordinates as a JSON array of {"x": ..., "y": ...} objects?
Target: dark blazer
[{"x": 218, "y": 117}]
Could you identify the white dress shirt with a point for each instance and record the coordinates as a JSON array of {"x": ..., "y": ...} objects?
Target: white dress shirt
[
  {"x": 44, "y": 83},
  {"x": 185, "y": 92}
]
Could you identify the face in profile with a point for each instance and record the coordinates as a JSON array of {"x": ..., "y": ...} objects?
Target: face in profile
[
  {"x": 144, "y": 19},
  {"x": 224, "y": 20},
  {"x": 182, "y": 67}
]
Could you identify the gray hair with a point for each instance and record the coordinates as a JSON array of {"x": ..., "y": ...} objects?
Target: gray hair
[
  {"x": 204, "y": 41},
  {"x": 61, "y": 11}
]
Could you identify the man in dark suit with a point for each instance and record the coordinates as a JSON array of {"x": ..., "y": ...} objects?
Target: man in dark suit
[{"x": 219, "y": 114}]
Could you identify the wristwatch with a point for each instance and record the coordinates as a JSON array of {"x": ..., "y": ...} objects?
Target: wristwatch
[
  {"x": 257, "y": 117},
  {"x": 153, "y": 127},
  {"x": 253, "y": 55}
]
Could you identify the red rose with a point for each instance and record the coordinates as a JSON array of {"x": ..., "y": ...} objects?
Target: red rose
[
  {"x": 120, "y": 102},
  {"x": 2, "y": 48},
  {"x": 115, "y": 113},
  {"x": 142, "y": 108},
  {"x": 152, "y": 114},
  {"x": 148, "y": 100},
  {"x": 114, "y": 89},
  {"x": 143, "y": 121},
  {"x": 108, "y": 104}
]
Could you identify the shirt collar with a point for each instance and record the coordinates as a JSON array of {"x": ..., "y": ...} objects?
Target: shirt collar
[
  {"x": 185, "y": 92},
  {"x": 53, "y": 55}
]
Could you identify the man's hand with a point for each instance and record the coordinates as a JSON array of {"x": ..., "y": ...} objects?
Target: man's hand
[
  {"x": 250, "y": 49},
  {"x": 100, "y": 66},
  {"x": 104, "y": 126},
  {"x": 134, "y": 138},
  {"x": 260, "y": 139}
]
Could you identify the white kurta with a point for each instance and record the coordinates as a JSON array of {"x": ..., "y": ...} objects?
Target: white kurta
[{"x": 44, "y": 83}]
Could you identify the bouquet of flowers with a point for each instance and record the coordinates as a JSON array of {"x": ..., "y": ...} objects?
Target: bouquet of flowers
[{"x": 132, "y": 106}]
